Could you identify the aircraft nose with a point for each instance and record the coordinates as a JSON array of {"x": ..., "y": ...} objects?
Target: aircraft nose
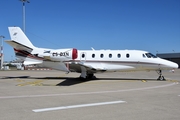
[
  {"x": 173, "y": 65},
  {"x": 176, "y": 65},
  {"x": 168, "y": 64}
]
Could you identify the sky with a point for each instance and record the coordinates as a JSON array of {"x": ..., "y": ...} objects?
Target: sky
[{"x": 150, "y": 25}]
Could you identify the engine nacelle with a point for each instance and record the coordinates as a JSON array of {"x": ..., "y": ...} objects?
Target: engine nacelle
[{"x": 61, "y": 54}]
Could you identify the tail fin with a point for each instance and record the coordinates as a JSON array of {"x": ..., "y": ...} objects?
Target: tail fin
[
  {"x": 22, "y": 46},
  {"x": 19, "y": 40}
]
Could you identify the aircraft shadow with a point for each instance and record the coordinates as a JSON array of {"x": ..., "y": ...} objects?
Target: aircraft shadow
[
  {"x": 69, "y": 81},
  {"x": 74, "y": 81},
  {"x": 135, "y": 79},
  {"x": 15, "y": 77}
]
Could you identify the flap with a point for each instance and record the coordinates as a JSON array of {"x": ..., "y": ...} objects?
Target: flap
[{"x": 92, "y": 68}]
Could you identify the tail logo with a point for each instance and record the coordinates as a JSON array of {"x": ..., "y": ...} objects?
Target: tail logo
[
  {"x": 15, "y": 34},
  {"x": 47, "y": 51}
]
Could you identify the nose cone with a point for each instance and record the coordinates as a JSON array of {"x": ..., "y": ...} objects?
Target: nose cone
[
  {"x": 166, "y": 64},
  {"x": 172, "y": 65}
]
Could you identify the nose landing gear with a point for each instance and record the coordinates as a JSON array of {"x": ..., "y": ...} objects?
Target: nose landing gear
[{"x": 161, "y": 77}]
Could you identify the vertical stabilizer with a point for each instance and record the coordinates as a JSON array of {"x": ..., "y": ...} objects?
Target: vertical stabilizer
[
  {"x": 18, "y": 36},
  {"x": 23, "y": 48}
]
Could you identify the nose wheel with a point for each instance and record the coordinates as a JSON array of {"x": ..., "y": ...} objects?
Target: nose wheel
[{"x": 161, "y": 77}]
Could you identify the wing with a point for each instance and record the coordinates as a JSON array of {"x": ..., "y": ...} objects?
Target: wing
[{"x": 90, "y": 68}]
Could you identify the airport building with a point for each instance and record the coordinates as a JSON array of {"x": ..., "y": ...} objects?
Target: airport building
[{"x": 174, "y": 57}]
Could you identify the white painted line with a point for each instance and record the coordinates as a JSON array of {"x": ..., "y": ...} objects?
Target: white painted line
[
  {"x": 178, "y": 95},
  {"x": 78, "y": 106},
  {"x": 88, "y": 93}
]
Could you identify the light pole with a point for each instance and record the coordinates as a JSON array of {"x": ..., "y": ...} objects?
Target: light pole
[
  {"x": 24, "y": 1},
  {"x": 2, "y": 51}
]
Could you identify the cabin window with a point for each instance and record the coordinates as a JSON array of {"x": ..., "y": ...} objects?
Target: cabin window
[
  {"x": 93, "y": 55},
  {"x": 127, "y": 55},
  {"x": 110, "y": 55},
  {"x": 118, "y": 55},
  {"x": 83, "y": 55},
  {"x": 102, "y": 55}
]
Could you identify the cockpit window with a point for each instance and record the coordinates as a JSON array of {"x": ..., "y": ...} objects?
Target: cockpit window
[
  {"x": 143, "y": 55},
  {"x": 150, "y": 55}
]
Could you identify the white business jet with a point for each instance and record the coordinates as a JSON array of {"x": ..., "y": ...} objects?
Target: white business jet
[{"x": 86, "y": 62}]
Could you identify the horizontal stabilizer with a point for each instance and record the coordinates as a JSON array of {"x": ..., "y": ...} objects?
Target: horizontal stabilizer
[{"x": 18, "y": 46}]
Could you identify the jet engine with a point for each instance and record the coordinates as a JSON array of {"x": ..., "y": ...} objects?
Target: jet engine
[{"x": 60, "y": 54}]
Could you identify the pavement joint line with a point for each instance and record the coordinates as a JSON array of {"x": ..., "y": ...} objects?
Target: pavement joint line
[
  {"x": 87, "y": 93},
  {"x": 77, "y": 106}
]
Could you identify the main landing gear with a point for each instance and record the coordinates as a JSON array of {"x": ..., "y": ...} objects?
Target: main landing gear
[
  {"x": 87, "y": 77},
  {"x": 160, "y": 76}
]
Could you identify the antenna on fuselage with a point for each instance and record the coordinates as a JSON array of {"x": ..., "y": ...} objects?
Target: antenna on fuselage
[{"x": 92, "y": 48}]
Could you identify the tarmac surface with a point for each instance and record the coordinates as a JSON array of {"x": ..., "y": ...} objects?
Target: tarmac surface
[{"x": 54, "y": 95}]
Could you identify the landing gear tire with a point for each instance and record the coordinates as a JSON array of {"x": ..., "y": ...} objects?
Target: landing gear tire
[
  {"x": 88, "y": 77},
  {"x": 160, "y": 78},
  {"x": 82, "y": 78}
]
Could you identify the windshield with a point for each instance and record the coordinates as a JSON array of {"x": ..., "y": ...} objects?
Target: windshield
[{"x": 150, "y": 55}]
